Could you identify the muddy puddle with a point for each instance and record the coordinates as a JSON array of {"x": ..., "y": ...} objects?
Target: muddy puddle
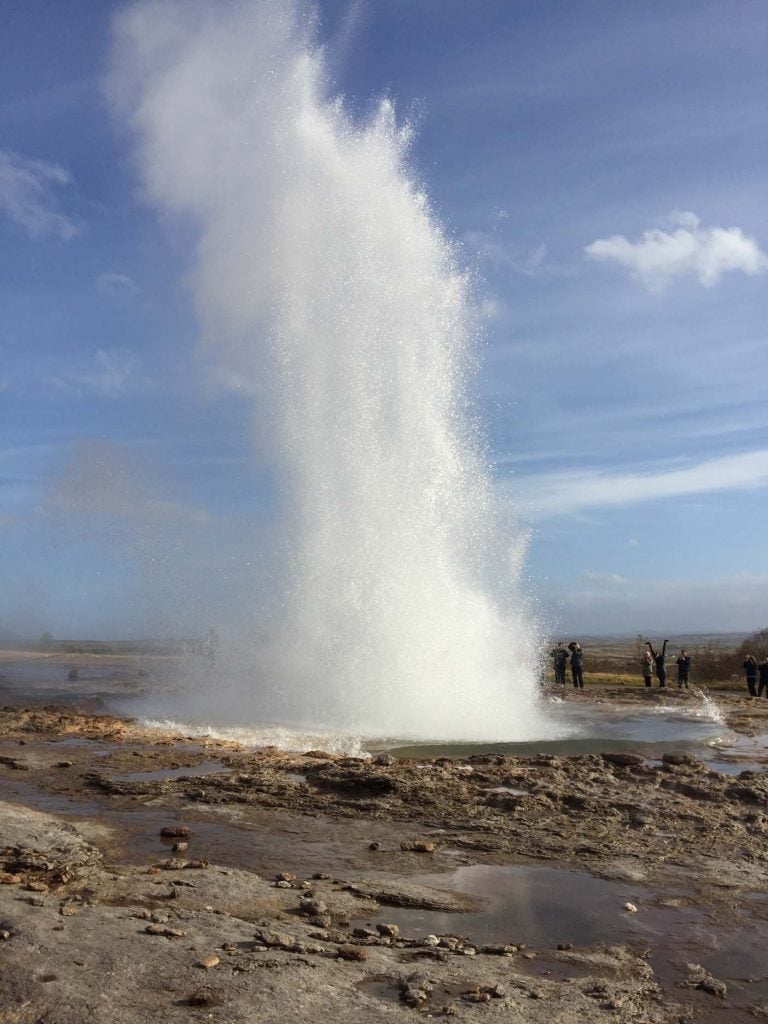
[
  {"x": 129, "y": 832},
  {"x": 549, "y": 909}
]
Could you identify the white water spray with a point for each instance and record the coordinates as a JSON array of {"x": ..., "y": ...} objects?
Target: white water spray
[{"x": 328, "y": 292}]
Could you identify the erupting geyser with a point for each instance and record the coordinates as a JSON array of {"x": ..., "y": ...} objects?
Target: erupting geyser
[{"x": 327, "y": 290}]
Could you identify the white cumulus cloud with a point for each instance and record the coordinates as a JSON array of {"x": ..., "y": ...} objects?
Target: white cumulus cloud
[
  {"x": 27, "y": 196},
  {"x": 685, "y": 248}
]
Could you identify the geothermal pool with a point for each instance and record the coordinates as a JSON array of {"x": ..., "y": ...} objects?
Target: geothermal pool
[{"x": 574, "y": 726}]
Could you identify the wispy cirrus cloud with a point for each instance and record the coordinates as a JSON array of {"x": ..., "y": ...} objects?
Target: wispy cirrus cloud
[
  {"x": 566, "y": 492},
  {"x": 685, "y": 249},
  {"x": 111, "y": 283},
  {"x": 607, "y": 603},
  {"x": 110, "y": 373},
  {"x": 28, "y": 196},
  {"x": 505, "y": 257}
]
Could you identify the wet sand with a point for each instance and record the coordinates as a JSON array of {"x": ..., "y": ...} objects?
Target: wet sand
[{"x": 493, "y": 885}]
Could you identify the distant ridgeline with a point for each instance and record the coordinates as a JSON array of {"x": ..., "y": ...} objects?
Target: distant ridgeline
[{"x": 46, "y": 644}]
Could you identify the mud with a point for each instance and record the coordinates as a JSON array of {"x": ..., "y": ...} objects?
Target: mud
[{"x": 311, "y": 884}]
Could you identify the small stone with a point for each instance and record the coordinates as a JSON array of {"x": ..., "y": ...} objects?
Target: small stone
[
  {"x": 282, "y": 884},
  {"x": 678, "y": 760},
  {"x": 374, "y": 846},
  {"x": 180, "y": 847},
  {"x": 312, "y": 907},
  {"x": 630, "y": 908},
  {"x": 623, "y": 760},
  {"x": 322, "y": 876},
  {"x": 4, "y": 935},
  {"x": 564, "y": 945},
  {"x": 390, "y": 930},
  {"x": 69, "y": 909},
  {"x": 198, "y": 864},
  {"x": 356, "y": 953},
  {"x": 64, "y": 764},
  {"x": 419, "y": 846},
  {"x": 160, "y": 929},
  {"x": 176, "y": 831},
  {"x": 204, "y": 996},
  {"x": 285, "y": 876},
  {"x": 37, "y": 887},
  {"x": 209, "y": 962},
  {"x": 469, "y": 951},
  {"x": 6, "y": 878},
  {"x": 430, "y": 940},
  {"x": 173, "y": 864}
]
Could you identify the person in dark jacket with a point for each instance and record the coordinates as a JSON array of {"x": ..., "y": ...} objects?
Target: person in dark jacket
[
  {"x": 762, "y": 669},
  {"x": 560, "y": 660},
  {"x": 658, "y": 661},
  {"x": 750, "y": 671},
  {"x": 577, "y": 665},
  {"x": 683, "y": 669}
]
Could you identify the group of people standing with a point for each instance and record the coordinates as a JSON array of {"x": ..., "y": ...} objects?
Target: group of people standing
[
  {"x": 657, "y": 660},
  {"x": 560, "y": 658},
  {"x": 753, "y": 669},
  {"x": 651, "y": 661}
]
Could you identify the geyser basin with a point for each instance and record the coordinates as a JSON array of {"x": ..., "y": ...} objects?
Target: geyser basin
[
  {"x": 571, "y": 730},
  {"x": 328, "y": 292}
]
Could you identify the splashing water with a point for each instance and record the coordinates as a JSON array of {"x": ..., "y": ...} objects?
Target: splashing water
[
  {"x": 327, "y": 291},
  {"x": 709, "y": 708}
]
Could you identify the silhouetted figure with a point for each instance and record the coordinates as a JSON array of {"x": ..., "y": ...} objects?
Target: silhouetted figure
[
  {"x": 750, "y": 671},
  {"x": 683, "y": 669},
  {"x": 658, "y": 661},
  {"x": 211, "y": 645},
  {"x": 646, "y": 667},
  {"x": 73, "y": 674},
  {"x": 762, "y": 669},
  {"x": 577, "y": 665},
  {"x": 559, "y": 660}
]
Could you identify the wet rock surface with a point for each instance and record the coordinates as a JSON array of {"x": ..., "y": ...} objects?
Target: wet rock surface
[{"x": 260, "y": 890}]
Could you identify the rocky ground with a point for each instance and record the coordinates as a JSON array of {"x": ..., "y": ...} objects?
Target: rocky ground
[{"x": 146, "y": 877}]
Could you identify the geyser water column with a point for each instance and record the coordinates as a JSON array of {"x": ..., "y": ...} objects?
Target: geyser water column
[{"x": 327, "y": 290}]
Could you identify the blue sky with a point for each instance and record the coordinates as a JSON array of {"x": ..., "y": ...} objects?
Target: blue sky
[{"x": 602, "y": 166}]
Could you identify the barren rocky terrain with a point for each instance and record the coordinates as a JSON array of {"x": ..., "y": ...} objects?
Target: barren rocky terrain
[{"x": 150, "y": 877}]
